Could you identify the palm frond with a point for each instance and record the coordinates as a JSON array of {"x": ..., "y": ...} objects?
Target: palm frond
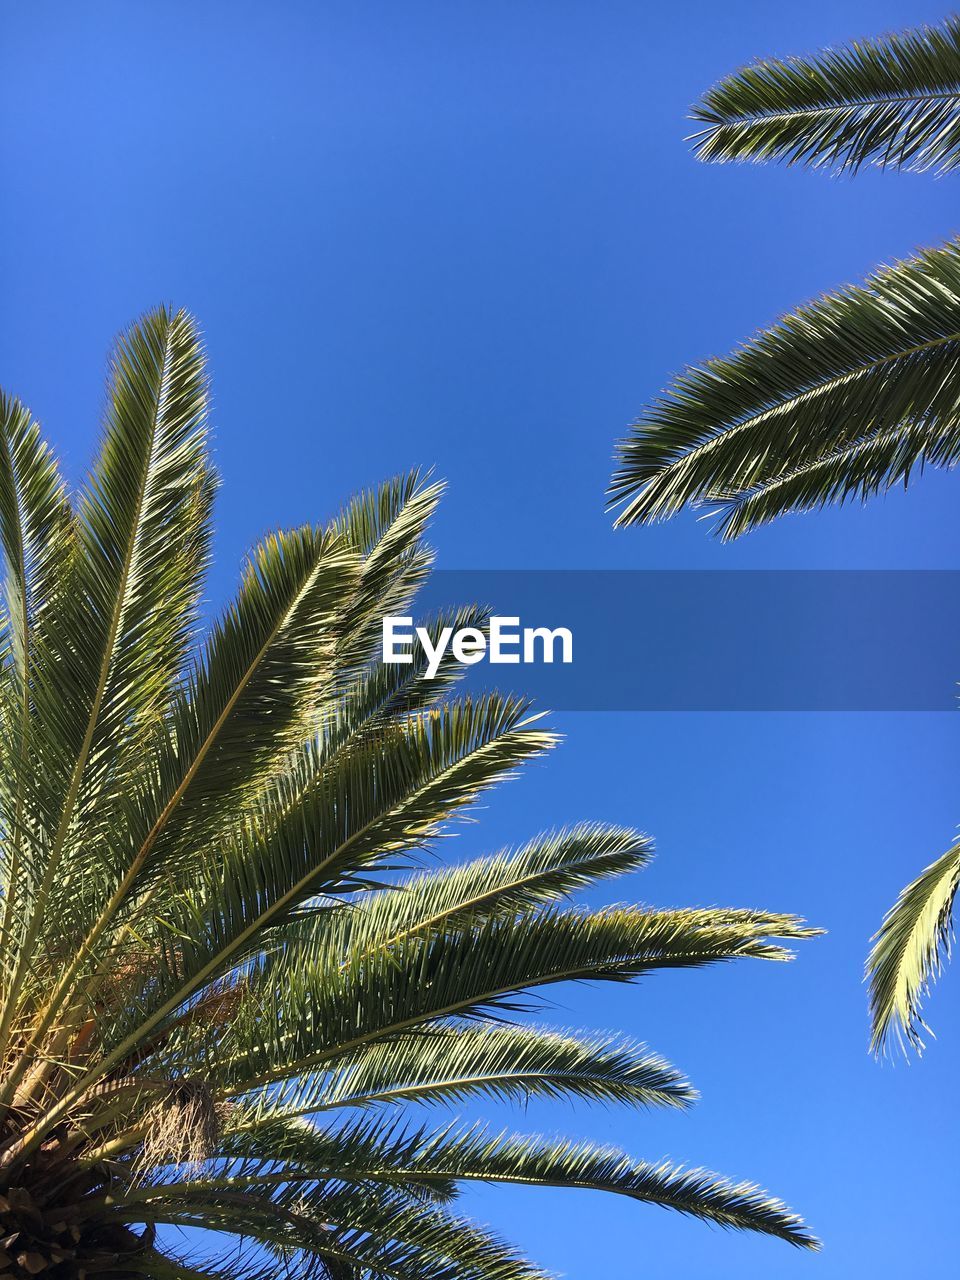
[
  {"x": 114, "y": 645},
  {"x": 315, "y": 1227},
  {"x": 548, "y": 868},
  {"x": 215, "y": 933},
  {"x": 285, "y": 658},
  {"x": 842, "y": 399},
  {"x": 35, "y": 527},
  {"x": 116, "y": 642},
  {"x": 262, "y": 664},
  {"x": 34, "y": 517},
  {"x": 452, "y": 1062},
  {"x": 266, "y": 665},
  {"x": 139, "y": 516},
  {"x": 893, "y": 102},
  {"x": 386, "y": 528},
  {"x": 326, "y": 1001},
  {"x": 386, "y": 1152},
  {"x": 381, "y": 800},
  {"x": 909, "y": 951}
]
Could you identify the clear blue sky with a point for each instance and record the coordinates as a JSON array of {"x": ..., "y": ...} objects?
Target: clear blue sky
[{"x": 470, "y": 236}]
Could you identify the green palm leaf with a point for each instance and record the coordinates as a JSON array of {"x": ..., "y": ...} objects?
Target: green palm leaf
[
  {"x": 322, "y": 1006},
  {"x": 844, "y": 398},
  {"x": 307, "y": 1228},
  {"x": 894, "y": 102},
  {"x": 909, "y": 950},
  {"x": 840, "y": 400},
  {"x": 384, "y": 1152},
  {"x": 454, "y": 1061},
  {"x": 547, "y": 868},
  {"x": 138, "y": 529},
  {"x": 123, "y": 623},
  {"x": 225, "y": 931},
  {"x": 36, "y": 527}
]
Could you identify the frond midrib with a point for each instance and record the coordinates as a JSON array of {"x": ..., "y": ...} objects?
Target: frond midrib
[
  {"x": 726, "y": 431},
  {"x": 573, "y": 974},
  {"x": 717, "y": 121},
  {"x": 106, "y": 664}
]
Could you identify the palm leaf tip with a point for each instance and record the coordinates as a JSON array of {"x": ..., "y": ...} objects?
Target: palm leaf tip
[
  {"x": 738, "y": 1206},
  {"x": 908, "y": 953},
  {"x": 893, "y": 102}
]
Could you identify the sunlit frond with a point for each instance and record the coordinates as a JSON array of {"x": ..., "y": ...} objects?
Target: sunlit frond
[
  {"x": 843, "y": 399},
  {"x": 224, "y": 920},
  {"x": 384, "y": 1152},
  {"x": 456, "y": 1060},
  {"x": 893, "y": 101},
  {"x": 909, "y": 950}
]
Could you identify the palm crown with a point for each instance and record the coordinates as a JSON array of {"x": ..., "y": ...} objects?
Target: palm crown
[
  {"x": 221, "y": 972},
  {"x": 844, "y": 398}
]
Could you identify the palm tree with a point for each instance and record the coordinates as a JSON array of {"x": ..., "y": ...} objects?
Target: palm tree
[
  {"x": 221, "y": 971},
  {"x": 843, "y": 399}
]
